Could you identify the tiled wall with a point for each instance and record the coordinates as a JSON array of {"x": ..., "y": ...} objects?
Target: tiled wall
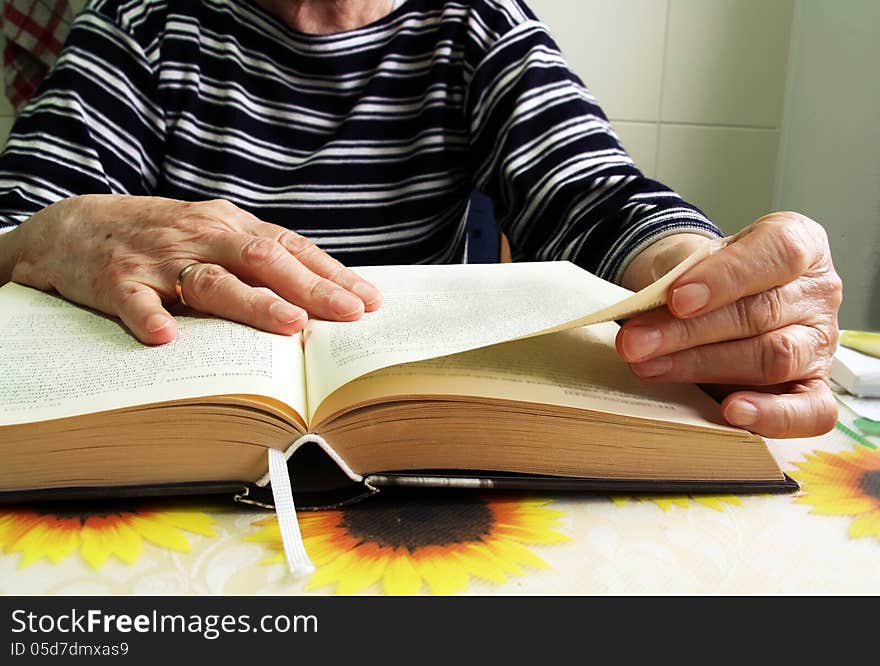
[
  {"x": 695, "y": 89},
  {"x": 830, "y": 149}
]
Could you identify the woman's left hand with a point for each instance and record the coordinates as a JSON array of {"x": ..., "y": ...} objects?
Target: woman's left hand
[{"x": 757, "y": 319}]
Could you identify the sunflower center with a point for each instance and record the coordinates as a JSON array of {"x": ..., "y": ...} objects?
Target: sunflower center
[
  {"x": 870, "y": 484},
  {"x": 399, "y": 523},
  {"x": 83, "y": 510}
]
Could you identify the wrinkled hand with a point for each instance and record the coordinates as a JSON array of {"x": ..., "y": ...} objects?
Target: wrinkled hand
[
  {"x": 758, "y": 319},
  {"x": 122, "y": 255}
]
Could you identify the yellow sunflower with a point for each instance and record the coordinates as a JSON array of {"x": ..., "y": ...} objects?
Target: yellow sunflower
[
  {"x": 409, "y": 544},
  {"x": 844, "y": 484},
  {"x": 666, "y": 502},
  {"x": 96, "y": 532}
]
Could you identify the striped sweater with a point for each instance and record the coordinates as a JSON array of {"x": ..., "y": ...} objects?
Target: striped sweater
[{"x": 368, "y": 141}]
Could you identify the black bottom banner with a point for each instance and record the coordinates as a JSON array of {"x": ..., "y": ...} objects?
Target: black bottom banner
[{"x": 253, "y": 629}]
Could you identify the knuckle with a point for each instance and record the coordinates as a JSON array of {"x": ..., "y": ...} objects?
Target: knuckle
[
  {"x": 729, "y": 275},
  {"x": 258, "y": 303},
  {"x": 194, "y": 223},
  {"x": 115, "y": 272},
  {"x": 825, "y": 344},
  {"x": 763, "y": 312},
  {"x": 197, "y": 217},
  {"x": 124, "y": 293},
  {"x": 317, "y": 289},
  {"x": 683, "y": 333},
  {"x": 221, "y": 206},
  {"x": 206, "y": 280},
  {"x": 832, "y": 338},
  {"x": 339, "y": 273},
  {"x": 296, "y": 244},
  {"x": 742, "y": 315},
  {"x": 289, "y": 238},
  {"x": 780, "y": 358},
  {"x": 826, "y": 337},
  {"x": 260, "y": 250},
  {"x": 191, "y": 208},
  {"x": 810, "y": 227},
  {"x": 835, "y": 290},
  {"x": 793, "y": 248}
]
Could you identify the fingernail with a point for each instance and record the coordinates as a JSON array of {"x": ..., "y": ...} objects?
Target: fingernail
[
  {"x": 641, "y": 341},
  {"x": 345, "y": 304},
  {"x": 653, "y": 368},
  {"x": 690, "y": 298},
  {"x": 156, "y": 322},
  {"x": 285, "y": 313},
  {"x": 367, "y": 293},
  {"x": 741, "y": 413}
]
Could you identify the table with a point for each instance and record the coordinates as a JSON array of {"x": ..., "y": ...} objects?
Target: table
[{"x": 822, "y": 540}]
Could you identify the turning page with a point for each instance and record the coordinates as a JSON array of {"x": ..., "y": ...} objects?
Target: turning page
[
  {"x": 432, "y": 311},
  {"x": 576, "y": 368},
  {"x": 58, "y": 359}
]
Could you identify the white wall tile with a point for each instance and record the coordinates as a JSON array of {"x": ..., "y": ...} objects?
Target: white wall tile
[
  {"x": 830, "y": 155},
  {"x": 726, "y": 61},
  {"x": 640, "y": 141},
  {"x": 727, "y": 172},
  {"x": 615, "y": 47}
]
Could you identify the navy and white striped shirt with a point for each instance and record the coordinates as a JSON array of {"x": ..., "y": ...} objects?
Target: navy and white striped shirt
[{"x": 368, "y": 141}]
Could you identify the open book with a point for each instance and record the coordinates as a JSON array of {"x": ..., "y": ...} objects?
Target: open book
[{"x": 477, "y": 375}]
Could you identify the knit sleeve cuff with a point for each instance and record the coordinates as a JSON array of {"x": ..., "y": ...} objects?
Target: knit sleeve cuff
[{"x": 649, "y": 230}]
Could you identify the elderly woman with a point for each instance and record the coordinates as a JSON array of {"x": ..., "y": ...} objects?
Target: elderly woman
[{"x": 202, "y": 149}]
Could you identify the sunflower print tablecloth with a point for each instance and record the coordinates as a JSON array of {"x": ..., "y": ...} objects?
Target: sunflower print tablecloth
[{"x": 825, "y": 539}]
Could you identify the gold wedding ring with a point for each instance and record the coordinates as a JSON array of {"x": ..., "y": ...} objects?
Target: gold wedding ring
[{"x": 178, "y": 286}]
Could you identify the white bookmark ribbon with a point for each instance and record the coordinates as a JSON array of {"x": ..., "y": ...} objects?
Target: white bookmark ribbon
[
  {"x": 294, "y": 549},
  {"x": 279, "y": 478}
]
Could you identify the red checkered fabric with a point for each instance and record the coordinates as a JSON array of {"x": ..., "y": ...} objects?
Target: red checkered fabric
[{"x": 35, "y": 31}]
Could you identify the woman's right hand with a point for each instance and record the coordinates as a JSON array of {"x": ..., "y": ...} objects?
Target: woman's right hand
[{"x": 122, "y": 255}]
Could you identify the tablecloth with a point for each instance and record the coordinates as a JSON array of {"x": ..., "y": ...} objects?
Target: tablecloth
[{"x": 824, "y": 539}]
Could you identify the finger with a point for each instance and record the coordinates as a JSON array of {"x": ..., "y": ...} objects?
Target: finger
[
  {"x": 777, "y": 249},
  {"x": 140, "y": 309},
  {"x": 321, "y": 263},
  {"x": 808, "y": 410},
  {"x": 788, "y": 354},
  {"x": 659, "y": 332},
  {"x": 309, "y": 254},
  {"x": 261, "y": 260},
  {"x": 212, "y": 289}
]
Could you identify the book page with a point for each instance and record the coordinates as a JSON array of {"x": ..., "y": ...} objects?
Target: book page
[
  {"x": 576, "y": 368},
  {"x": 58, "y": 359},
  {"x": 431, "y": 311}
]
